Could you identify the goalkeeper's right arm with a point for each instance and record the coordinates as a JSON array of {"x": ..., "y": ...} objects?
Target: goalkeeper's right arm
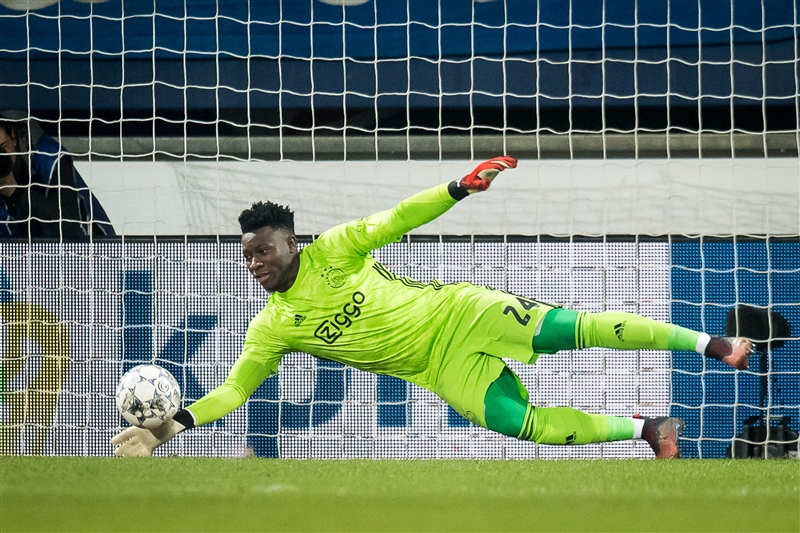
[{"x": 244, "y": 378}]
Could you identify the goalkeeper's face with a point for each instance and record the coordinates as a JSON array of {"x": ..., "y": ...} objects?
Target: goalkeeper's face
[{"x": 272, "y": 257}]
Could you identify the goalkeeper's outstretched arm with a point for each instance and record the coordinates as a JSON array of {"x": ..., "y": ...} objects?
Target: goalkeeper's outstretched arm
[
  {"x": 244, "y": 378},
  {"x": 376, "y": 230}
]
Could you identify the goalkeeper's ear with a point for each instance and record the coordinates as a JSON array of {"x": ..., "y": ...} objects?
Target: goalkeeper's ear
[{"x": 481, "y": 176}]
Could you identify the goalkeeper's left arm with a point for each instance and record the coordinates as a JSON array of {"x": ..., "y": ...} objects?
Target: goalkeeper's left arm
[
  {"x": 376, "y": 230},
  {"x": 245, "y": 377}
]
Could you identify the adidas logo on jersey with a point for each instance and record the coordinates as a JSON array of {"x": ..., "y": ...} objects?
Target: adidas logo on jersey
[
  {"x": 619, "y": 329},
  {"x": 298, "y": 319}
]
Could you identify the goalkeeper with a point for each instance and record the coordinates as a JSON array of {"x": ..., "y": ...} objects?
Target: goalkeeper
[{"x": 334, "y": 301}]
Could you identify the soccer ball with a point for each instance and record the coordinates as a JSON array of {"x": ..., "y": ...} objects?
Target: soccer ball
[{"x": 148, "y": 396}]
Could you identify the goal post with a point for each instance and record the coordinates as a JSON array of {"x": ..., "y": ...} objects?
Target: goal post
[{"x": 659, "y": 174}]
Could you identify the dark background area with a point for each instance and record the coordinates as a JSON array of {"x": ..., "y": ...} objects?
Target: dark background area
[{"x": 417, "y": 67}]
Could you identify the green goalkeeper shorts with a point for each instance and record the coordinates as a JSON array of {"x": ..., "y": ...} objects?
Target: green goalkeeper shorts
[{"x": 490, "y": 325}]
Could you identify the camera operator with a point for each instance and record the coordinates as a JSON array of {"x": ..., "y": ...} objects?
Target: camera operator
[{"x": 41, "y": 193}]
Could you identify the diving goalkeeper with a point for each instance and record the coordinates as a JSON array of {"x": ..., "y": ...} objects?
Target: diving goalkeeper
[{"x": 333, "y": 300}]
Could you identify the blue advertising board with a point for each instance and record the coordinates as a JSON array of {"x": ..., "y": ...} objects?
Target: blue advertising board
[
  {"x": 74, "y": 317},
  {"x": 709, "y": 279}
]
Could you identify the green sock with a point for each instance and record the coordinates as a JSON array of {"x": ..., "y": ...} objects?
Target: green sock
[
  {"x": 626, "y": 331},
  {"x": 564, "y": 425},
  {"x": 506, "y": 404},
  {"x": 508, "y": 412}
]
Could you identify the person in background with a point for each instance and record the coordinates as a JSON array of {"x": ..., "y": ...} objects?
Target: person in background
[{"x": 42, "y": 195}]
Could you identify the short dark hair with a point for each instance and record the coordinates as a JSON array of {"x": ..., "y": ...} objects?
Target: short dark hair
[{"x": 266, "y": 215}]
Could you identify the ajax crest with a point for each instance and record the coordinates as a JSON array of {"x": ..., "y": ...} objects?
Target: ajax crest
[{"x": 335, "y": 277}]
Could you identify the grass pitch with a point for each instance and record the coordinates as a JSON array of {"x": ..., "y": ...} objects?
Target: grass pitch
[{"x": 198, "y": 494}]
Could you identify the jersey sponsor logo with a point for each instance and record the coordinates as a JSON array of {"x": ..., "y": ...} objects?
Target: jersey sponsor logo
[
  {"x": 408, "y": 282},
  {"x": 328, "y": 332},
  {"x": 332, "y": 328}
]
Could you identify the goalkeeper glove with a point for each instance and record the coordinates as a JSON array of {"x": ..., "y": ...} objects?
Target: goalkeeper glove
[
  {"x": 480, "y": 178},
  {"x": 140, "y": 442}
]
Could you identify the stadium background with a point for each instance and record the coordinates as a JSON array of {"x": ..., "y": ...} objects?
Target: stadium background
[{"x": 623, "y": 204}]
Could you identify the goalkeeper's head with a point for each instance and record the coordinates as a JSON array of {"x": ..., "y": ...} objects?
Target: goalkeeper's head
[{"x": 269, "y": 245}]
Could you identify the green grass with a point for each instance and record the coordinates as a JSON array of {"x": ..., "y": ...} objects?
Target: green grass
[{"x": 197, "y": 494}]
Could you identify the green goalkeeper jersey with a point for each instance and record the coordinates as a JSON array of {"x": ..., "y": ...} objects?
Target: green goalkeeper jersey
[{"x": 345, "y": 306}]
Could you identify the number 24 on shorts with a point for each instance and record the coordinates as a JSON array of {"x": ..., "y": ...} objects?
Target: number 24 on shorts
[{"x": 527, "y": 305}]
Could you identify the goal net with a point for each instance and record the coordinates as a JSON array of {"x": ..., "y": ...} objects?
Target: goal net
[{"x": 658, "y": 146}]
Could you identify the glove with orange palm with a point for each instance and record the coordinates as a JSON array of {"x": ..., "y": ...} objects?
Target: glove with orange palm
[{"x": 481, "y": 177}]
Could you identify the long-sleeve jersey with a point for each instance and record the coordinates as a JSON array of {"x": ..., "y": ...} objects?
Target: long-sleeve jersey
[{"x": 345, "y": 306}]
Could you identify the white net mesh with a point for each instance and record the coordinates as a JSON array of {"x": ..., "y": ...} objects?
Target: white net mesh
[{"x": 659, "y": 175}]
